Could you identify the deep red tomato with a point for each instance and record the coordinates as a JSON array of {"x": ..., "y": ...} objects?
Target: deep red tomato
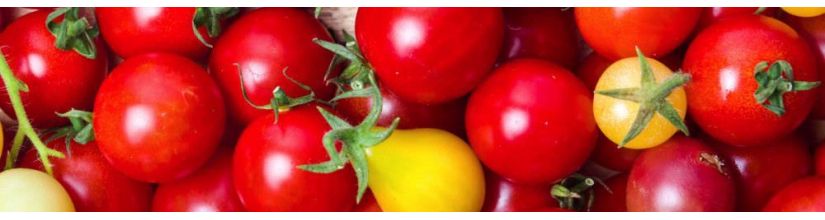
[
  {"x": 682, "y": 174},
  {"x": 722, "y": 60},
  {"x": 763, "y": 170},
  {"x": 610, "y": 156},
  {"x": 519, "y": 122},
  {"x": 91, "y": 182},
  {"x": 713, "y": 14},
  {"x": 819, "y": 160},
  {"x": 209, "y": 189},
  {"x": 546, "y": 33},
  {"x": 430, "y": 55},
  {"x": 367, "y": 203},
  {"x": 158, "y": 117},
  {"x": 813, "y": 30},
  {"x": 613, "y": 200},
  {"x": 266, "y": 159},
  {"x": 446, "y": 116},
  {"x": 58, "y": 80},
  {"x": 5, "y": 17},
  {"x": 804, "y": 195},
  {"x": 615, "y": 32},
  {"x": 262, "y": 45},
  {"x": 504, "y": 196},
  {"x": 133, "y": 31}
]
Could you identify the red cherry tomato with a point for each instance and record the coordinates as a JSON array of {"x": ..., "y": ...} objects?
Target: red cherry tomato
[
  {"x": 813, "y": 30},
  {"x": 804, "y": 195},
  {"x": 713, "y": 14},
  {"x": 265, "y": 169},
  {"x": 591, "y": 69},
  {"x": 610, "y": 156},
  {"x": 158, "y": 117},
  {"x": 612, "y": 200},
  {"x": 91, "y": 182},
  {"x": 519, "y": 122},
  {"x": 505, "y": 196},
  {"x": 721, "y": 93},
  {"x": 819, "y": 160},
  {"x": 545, "y": 33},
  {"x": 58, "y": 80},
  {"x": 264, "y": 45},
  {"x": 615, "y": 32},
  {"x": 209, "y": 189},
  {"x": 430, "y": 55},
  {"x": 367, "y": 204},
  {"x": 682, "y": 174}
]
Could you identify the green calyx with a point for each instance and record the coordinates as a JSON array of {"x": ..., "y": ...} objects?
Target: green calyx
[
  {"x": 773, "y": 84},
  {"x": 79, "y": 131},
  {"x": 575, "y": 192},
  {"x": 210, "y": 17},
  {"x": 359, "y": 80},
  {"x": 280, "y": 101},
  {"x": 652, "y": 99},
  {"x": 74, "y": 32}
]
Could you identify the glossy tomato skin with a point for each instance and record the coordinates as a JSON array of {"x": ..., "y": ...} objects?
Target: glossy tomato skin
[
  {"x": 615, "y": 32},
  {"x": 545, "y": 33},
  {"x": 609, "y": 155},
  {"x": 209, "y": 189},
  {"x": 673, "y": 177},
  {"x": 265, "y": 164},
  {"x": 133, "y": 31},
  {"x": 505, "y": 196},
  {"x": 58, "y": 80},
  {"x": 804, "y": 195},
  {"x": 263, "y": 44},
  {"x": 430, "y": 55},
  {"x": 813, "y": 30},
  {"x": 614, "y": 199},
  {"x": 92, "y": 183},
  {"x": 819, "y": 160},
  {"x": 711, "y": 15},
  {"x": 158, "y": 117},
  {"x": 763, "y": 170},
  {"x": 519, "y": 122},
  {"x": 720, "y": 94}
]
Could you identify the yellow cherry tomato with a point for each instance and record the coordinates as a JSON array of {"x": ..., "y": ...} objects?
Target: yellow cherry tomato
[
  {"x": 425, "y": 170},
  {"x": 616, "y": 116},
  {"x": 805, "y": 11},
  {"x": 31, "y": 190}
]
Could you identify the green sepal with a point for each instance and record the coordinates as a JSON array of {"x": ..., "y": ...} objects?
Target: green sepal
[
  {"x": 74, "y": 32},
  {"x": 210, "y": 17},
  {"x": 774, "y": 81}
]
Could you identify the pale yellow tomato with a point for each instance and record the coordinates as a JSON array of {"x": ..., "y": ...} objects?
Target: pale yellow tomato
[
  {"x": 805, "y": 11},
  {"x": 32, "y": 191},
  {"x": 425, "y": 170}
]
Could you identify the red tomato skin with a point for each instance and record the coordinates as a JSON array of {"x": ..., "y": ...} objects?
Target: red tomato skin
[
  {"x": 804, "y": 195},
  {"x": 671, "y": 177},
  {"x": 613, "y": 200},
  {"x": 544, "y": 33},
  {"x": 209, "y": 189},
  {"x": 615, "y": 32},
  {"x": 58, "y": 80},
  {"x": 93, "y": 184},
  {"x": 518, "y": 122},
  {"x": 264, "y": 43},
  {"x": 720, "y": 95},
  {"x": 712, "y": 15},
  {"x": 505, "y": 196},
  {"x": 591, "y": 69},
  {"x": 134, "y": 31},
  {"x": 367, "y": 204},
  {"x": 610, "y": 156},
  {"x": 764, "y": 170},
  {"x": 430, "y": 55},
  {"x": 813, "y": 31},
  {"x": 819, "y": 160},
  {"x": 265, "y": 161},
  {"x": 158, "y": 92}
]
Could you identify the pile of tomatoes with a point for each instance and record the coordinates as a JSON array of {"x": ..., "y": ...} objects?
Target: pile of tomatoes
[{"x": 420, "y": 109}]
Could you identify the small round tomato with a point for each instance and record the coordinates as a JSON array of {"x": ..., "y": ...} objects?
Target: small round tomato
[
  {"x": 505, "y": 196},
  {"x": 158, "y": 117},
  {"x": 398, "y": 164},
  {"x": 519, "y": 122},
  {"x": 545, "y": 33},
  {"x": 57, "y": 80},
  {"x": 722, "y": 95},
  {"x": 92, "y": 184},
  {"x": 682, "y": 174},
  {"x": 614, "y": 32},
  {"x": 609, "y": 155},
  {"x": 430, "y": 55},
  {"x": 24, "y": 189},
  {"x": 804, "y": 195},
  {"x": 209, "y": 189},
  {"x": 819, "y": 160},
  {"x": 804, "y": 11},
  {"x": 265, "y": 170},
  {"x": 267, "y": 47},
  {"x": 612, "y": 196},
  {"x": 713, "y": 14}
]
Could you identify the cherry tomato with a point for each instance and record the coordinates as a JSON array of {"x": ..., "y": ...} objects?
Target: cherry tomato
[
  {"x": 591, "y": 69},
  {"x": 209, "y": 189},
  {"x": 546, "y": 33},
  {"x": 158, "y": 117},
  {"x": 267, "y": 45},
  {"x": 813, "y": 30},
  {"x": 505, "y": 196},
  {"x": 713, "y": 14},
  {"x": 611, "y": 156},
  {"x": 91, "y": 182},
  {"x": 367, "y": 204},
  {"x": 804, "y": 11},
  {"x": 612, "y": 196},
  {"x": 721, "y": 93},
  {"x": 614, "y": 32},
  {"x": 765, "y": 169},
  {"x": 804, "y": 195},
  {"x": 265, "y": 164},
  {"x": 819, "y": 160},
  {"x": 430, "y": 55},
  {"x": 519, "y": 122},
  {"x": 58, "y": 80},
  {"x": 682, "y": 174},
  {"x": 24, "y": 189}
]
